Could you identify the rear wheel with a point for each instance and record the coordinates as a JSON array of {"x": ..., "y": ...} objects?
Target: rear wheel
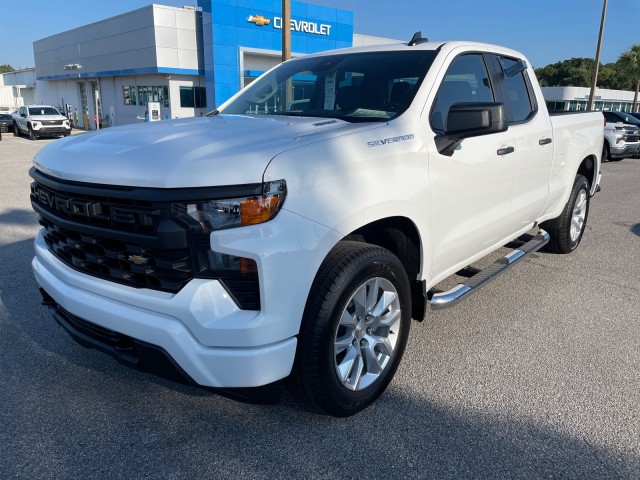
[
  {"x": 16, "y": 130},
  {"x": 354, "y": 329},
  {"x": 566, "y": 230}
]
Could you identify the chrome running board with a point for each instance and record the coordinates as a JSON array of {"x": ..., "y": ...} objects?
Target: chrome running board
[{"x": 479, "y": 278}]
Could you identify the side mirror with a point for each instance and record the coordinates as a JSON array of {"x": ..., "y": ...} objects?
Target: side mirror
[
  {"x": 466, "y": 120},
  {"x": 23, "y": 115}
]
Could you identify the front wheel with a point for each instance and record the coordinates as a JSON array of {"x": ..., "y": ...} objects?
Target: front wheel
[
  {"x": 32, "y": 134},
  {"x": 566, "y": 230},
  {"x": 355, "y": 329},
  {"x": 606, "y": 154}
]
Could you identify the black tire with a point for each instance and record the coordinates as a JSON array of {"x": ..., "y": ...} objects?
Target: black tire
[
  {"x": 606, "y": 155},
  {"x": 16, "y": 130},
  {"x": 349, "y": 268},
  {"x": 32, "y": 134},
  {"x": 563, "y": 240}
]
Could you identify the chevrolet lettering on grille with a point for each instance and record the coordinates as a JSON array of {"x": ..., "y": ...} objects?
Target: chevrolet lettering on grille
[{"x": 90, "y": 209}]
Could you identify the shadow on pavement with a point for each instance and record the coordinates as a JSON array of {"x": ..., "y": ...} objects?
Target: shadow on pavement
[
  {"x": 70, "y": 412},
  {"x": 19, "y": 217}
]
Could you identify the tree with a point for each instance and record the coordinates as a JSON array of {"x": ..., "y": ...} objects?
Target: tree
[
  {"x": 629, "y": 63},
  {"x": 6, "y": 68},
  {"x": 575, "y": 72}
]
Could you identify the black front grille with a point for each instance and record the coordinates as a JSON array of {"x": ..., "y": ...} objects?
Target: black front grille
[
  {"x": 632, "y": 138},
  {"x": 135, "y": 236},
  {"x": 52, "y": 122},
  {"x": 168, "y": 269}
]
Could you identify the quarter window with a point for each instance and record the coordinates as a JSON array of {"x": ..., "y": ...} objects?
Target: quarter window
[
  {"x": 517, "y": 92},
  {"x": 466, "y": 80}
]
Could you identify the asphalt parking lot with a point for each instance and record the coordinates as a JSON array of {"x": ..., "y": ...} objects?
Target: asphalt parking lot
[{"x": 536, "y": 376}]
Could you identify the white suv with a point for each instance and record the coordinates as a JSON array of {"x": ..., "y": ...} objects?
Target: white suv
[
  {"x": 39, "y": 121},
  {"x": 621, "y": 136}
]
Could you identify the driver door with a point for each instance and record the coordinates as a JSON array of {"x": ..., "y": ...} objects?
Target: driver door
[{"x": 472, "y": 190}]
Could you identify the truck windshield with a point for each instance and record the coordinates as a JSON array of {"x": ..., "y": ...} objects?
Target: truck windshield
[
  {"x": 356, "y": 87},
  {"x": 627, "y": 118},
  {"x": 43, "y": 111}
]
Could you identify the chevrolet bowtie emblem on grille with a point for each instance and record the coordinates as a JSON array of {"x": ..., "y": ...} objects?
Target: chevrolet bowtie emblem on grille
[
  {"x": 259, "y": 20},
  {"x": 138, "y": 259}
]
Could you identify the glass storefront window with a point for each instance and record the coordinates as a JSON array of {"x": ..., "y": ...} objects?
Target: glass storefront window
[
  {"x": 140, "y": 95},
  {"x": 193, "y": 97}
]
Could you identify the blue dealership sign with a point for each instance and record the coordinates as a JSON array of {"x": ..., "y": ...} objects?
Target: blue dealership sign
[{"x": 256, "y": 25}]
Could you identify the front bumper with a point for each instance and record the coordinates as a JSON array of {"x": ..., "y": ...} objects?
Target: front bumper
[
  {"x": 625, "y": 150},
  {"x": 200, "y": 328},
  {"x": 51, "y": 131}
]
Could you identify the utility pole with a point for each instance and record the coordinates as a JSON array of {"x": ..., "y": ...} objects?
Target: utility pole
[
  {"x": 596, "y": 67},
  {"x": 286, "y": 51},
  {"x": 286, "y": 30}
]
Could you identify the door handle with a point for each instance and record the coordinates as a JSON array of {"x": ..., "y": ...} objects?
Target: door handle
[
  {"x": 545, "y": 141},
  {"x": 506, "y": 150}
]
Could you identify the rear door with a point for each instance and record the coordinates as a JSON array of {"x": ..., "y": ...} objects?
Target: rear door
[{"x": 532, "y": 137}]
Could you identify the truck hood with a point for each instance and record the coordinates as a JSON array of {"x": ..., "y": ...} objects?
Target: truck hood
[{"x": 191, "y": 152}]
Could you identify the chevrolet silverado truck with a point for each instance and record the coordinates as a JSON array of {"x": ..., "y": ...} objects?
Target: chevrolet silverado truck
[
  {"x": 295, "y": 232},
  {"x": 621, "y": 136},
  {"x": 40, "y": 121}
]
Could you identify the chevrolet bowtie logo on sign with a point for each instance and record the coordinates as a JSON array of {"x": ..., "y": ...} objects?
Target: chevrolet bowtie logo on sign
[
  {"x": 259, "y": 20},
  {"x": 296, "y": 25}
]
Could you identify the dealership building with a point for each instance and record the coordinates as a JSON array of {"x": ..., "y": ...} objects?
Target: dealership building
[
  {"x": 577, "y": 98},
  {"x": 189, "y": 59}
]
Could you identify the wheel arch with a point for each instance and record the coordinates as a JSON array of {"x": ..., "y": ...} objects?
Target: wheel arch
[
  {"x": 401, "y": 237},
  {"x": 588, "y": 169}
]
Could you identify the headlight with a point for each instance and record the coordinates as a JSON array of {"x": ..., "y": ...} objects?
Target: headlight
[
  {"x": 34, "y": 124},
  {"x": 238, "y": 275},
  {"x": 238, "y": 212}
]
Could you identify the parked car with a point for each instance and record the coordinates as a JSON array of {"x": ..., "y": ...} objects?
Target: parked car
[
  {"x": 239, "y": 249},
  {"x": 6, "y": 122},
  {"x": 40, "y": 121},
  {"x": 621, "y": 136}
]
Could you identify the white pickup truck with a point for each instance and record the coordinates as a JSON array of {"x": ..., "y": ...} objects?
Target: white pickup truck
[
  {"x": 296, "y": 231},
  {"x": 40, "y": 121}
]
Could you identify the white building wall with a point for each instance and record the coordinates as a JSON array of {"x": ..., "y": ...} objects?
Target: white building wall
[
  {"x": 368, "y": 40},
  {"x": 17, "y": 89},
  {"x": 578, "y": 97},
  {"x": 123, "y": 42},
  {"x": 154, "y": 46}
]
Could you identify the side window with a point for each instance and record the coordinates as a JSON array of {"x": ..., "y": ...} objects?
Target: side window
[
  {"x": 466, "y": 80},
  {"x": 517, "y": 92}
]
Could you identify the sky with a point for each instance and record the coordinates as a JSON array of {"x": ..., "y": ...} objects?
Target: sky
[{"x": 546, "y": 31}]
